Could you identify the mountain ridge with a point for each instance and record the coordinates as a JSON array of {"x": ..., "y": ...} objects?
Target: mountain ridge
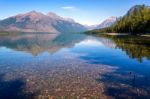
[
  {"x": 34, "y": 21},
  {"x": 106, "y": 23},
  {"x": 135, "y": 22}
]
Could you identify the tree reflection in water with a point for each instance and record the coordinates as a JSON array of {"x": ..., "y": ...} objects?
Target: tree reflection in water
[
  {"x": 137, "y": 47},
  {"x": 123, "y": 84}
]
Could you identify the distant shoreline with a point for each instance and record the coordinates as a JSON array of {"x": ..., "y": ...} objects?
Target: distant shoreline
[
  {"x": 115, "y": 34},
  {"x": 123, "y": 34},
  {"x": 15, "y": 33}
]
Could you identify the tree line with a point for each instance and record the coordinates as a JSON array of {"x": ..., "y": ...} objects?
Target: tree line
[{"x": 136, "y": 21}]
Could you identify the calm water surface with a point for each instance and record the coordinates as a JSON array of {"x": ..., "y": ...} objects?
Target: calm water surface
[{"x": 74, "y": 66}]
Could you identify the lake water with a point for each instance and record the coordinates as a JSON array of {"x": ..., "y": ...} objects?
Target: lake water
[{"x": 74, "y": 66}]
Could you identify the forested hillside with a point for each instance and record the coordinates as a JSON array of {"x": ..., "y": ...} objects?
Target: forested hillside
[{"x": 136, "y": 21}]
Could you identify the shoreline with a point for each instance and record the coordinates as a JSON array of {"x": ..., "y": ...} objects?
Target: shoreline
[
  {"x": 115, "y": 34},
  {"x": 124, "y": 34}
]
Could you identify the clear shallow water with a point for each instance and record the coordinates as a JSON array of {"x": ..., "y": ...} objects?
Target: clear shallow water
[{"x": 74, "y": 65}]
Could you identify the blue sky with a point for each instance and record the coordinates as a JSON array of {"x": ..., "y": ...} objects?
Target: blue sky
[{"x": 83, "y": 11}]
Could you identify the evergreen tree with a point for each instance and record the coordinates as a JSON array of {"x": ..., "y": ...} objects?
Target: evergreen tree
[{"x": 136, "y": 21}]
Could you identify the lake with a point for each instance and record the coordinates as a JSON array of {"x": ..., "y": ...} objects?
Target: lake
[{"x": 74, "y": 66}]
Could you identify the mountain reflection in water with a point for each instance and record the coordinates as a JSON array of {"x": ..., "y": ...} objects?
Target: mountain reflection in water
[
  {"x": 74, "y": 66},
  {"x": 38, "y": 43}
]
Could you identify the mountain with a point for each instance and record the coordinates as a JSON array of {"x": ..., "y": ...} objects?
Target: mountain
[
  {"x": 91, "y": 27},
  {"x": 36, "y": 44},
  {"x": 106, "y": 23},
  {"x": 37, "y": 22},
  {"x": 137, "y": 7},
  {"x": 136, "y": 21}
]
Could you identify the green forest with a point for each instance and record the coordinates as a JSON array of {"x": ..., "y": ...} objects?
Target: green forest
[{"x": 136, "y": 21}]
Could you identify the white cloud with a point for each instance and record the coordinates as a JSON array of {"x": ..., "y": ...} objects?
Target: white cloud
[{"x": 69, "y": 8}]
